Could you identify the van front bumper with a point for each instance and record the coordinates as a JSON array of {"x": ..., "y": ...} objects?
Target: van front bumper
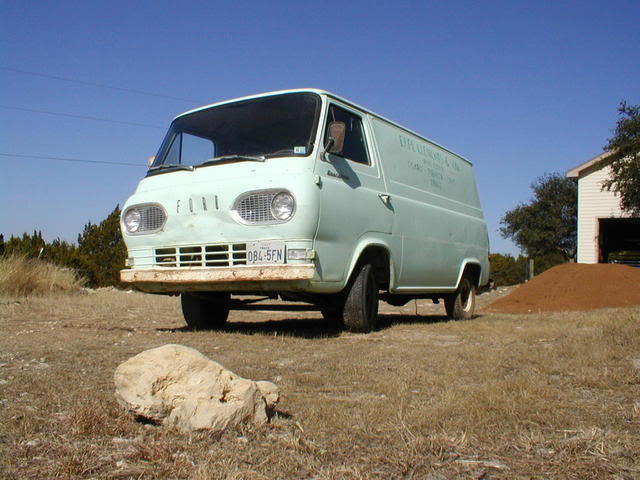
[{"x": 239, "y": 278}]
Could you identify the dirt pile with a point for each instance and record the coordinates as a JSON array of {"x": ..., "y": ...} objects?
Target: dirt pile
[{"x": 574, "y": 287}]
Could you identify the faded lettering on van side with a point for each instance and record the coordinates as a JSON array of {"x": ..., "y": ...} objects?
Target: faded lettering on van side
[{"x": 440, "y": 169}]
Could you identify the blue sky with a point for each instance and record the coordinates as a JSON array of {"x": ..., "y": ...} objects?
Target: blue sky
[{"x": 518, "y": 88}]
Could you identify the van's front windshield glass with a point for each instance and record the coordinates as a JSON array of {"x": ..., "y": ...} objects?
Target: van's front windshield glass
[{"x": 257, "y": 129}]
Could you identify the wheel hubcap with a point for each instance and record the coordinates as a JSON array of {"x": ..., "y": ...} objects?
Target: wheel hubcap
[{"x": 466, "y": 297}]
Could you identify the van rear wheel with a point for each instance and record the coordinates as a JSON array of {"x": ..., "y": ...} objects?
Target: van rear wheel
[
  {"x": 461, "y": 304},
  {"x": 361, "y": 304},
  {"x": 205, "y": 311}
]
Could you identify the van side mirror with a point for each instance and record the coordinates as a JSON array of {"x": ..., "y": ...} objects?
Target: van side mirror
[
  {"x": 150, "y": 160},
  {"x": 336, "y": 138},
  {"x": 337, "y": 131}
]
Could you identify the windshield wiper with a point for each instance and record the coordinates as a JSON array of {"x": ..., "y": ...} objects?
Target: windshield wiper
[
  {"x": 224, "y": 158},
  {"x": 176, "y": 166}
]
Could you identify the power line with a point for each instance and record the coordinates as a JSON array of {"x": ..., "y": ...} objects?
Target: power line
[
  {"x": 83, "y": 117},
  {"x": 92, "y": 84},
  {"x": 65, "y": 159}
]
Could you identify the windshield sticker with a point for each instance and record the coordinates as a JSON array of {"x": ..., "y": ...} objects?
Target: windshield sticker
[{"x": 300, "y": 150}]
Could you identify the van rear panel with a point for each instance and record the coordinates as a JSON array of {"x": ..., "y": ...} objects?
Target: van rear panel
[{"x": 437, "y": 212}]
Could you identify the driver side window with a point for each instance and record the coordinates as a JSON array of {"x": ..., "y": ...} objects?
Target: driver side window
[
  {"x": 187, "y": 149},
  {"x": 355, "y": 145}
]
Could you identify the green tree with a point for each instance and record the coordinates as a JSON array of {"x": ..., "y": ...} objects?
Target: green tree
[
  {"x": 547, "y": 224},
  {"x": 624, "y": 158},
  {"x": 507, "y": 270},
  {"x": 64, "y": 254},
  {"x": 28, "y": 246},
  {"x": 545, "y": 262},
  {"x": 102, "y": 251}
]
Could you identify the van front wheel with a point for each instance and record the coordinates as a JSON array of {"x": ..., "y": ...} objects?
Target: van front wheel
[
  {"x": 361, "y": 303},
  {"x": 461, "y": 304},
  {"x": 205, "y": 311}
]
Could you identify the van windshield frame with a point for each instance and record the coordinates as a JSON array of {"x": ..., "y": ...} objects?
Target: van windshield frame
[{"x": 282, "y": 125}]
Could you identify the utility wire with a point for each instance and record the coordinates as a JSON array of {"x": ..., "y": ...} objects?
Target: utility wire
[
  {"x": 83, "y": 117},
  {"x": 92, "y": 84},
  {"x": 77, "y": 160}
]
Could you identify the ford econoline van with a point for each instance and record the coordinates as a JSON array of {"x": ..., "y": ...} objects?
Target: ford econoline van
[{"x": 306, "y": 196}]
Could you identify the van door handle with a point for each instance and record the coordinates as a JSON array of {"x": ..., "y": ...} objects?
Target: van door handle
[{"x": 385, "y": 197}]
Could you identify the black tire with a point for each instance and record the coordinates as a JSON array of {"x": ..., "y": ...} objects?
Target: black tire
[
  {"x": 205, "y": 311},
  {"x": 360, "y": 312},
  {"x": 461, "y": 305}
]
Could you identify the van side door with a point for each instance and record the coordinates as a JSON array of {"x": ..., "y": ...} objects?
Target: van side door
[{"x": 353, "y": 200}]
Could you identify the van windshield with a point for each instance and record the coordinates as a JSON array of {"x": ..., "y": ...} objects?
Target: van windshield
[{"x": 257, "y": 129}]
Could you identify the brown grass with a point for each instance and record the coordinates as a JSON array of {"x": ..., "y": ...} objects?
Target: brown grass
[
  {"x": 20, "y": 276},
  {"x": 501, "y": 396}
]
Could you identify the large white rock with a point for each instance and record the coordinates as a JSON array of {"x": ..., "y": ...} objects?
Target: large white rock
[{"x": 178, "y": 386}]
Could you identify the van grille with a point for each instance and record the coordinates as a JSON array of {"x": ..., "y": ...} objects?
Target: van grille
[
  {"x": 256, "y": 208},
  {"x": 220, "y": 255},
  {"x": 152, "y": 218}
]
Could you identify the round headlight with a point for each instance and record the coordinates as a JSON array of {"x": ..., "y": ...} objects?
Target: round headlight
[
  {"x": 283, "y": 206},
  {"x": 132, "y": 220}
]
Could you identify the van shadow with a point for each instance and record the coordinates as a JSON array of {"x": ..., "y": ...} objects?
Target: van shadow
[
  {"x": 312, "y": 328},
  {"x": 388, "y": 320},
  {"x": 309, "y": 328},
  {"x": 289, "y": 327}
]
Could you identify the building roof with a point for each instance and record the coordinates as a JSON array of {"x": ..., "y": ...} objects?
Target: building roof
[{"x": 576, "y": 171}]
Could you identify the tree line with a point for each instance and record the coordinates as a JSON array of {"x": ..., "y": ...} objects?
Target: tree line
[{"x": 98, "y": 256}]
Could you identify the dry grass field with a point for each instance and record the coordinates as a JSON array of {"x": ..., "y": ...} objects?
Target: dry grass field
[
  {"x": 20, "y": 276},
  {"x": 553, "y": 395}
]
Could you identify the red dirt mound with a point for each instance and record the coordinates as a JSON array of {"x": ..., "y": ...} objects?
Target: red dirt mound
[{"x": 576, "y": 287}]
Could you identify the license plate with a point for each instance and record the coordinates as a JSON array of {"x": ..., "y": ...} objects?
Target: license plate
[{"x": 260, "y": 253}]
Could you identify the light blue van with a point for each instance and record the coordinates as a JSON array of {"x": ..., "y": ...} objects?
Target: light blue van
[{"x": 304, "y": 195}]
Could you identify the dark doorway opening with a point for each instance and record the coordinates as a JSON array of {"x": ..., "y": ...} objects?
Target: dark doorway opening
[{"x": 619, "y": 240}]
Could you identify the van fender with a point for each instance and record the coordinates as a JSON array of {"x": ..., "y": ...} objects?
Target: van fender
[
  {"x": 366, "y": 241},
  {"x": 475, "y": 264}
]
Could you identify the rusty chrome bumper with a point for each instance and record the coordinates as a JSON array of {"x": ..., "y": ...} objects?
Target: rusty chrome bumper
[{"x": 239, "y": 278}]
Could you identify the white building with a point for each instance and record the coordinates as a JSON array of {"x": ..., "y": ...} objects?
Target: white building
[{"x": 603, "y": 227}]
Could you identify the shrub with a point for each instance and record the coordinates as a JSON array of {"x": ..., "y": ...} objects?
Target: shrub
[
  {"x": 102, "y": 251},
  {"x": 508, "y": 270}
]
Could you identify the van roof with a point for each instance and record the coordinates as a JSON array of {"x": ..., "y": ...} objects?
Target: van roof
[{"x": 328, "y": 94}]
